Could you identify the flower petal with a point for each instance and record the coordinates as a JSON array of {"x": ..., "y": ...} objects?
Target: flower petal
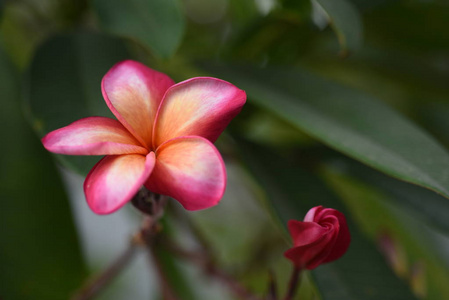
[
  {"x": 92, "y": 136},
  {"x": 114, "y": 180},
  {"x": 191, "y": 170},
  {"x": 312, "y": 255},
  {"x": 305, "y": 232},
  {"x": 312, "y": 213},
  {"x": 200, "y": 106},
  {"x": 133, "y": 92},
  {"x": 343, "y": 240}
]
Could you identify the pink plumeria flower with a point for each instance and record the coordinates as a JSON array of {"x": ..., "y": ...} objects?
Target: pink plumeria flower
[{"x": 162, "y": 138}]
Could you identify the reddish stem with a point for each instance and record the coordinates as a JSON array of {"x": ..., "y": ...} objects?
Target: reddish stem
[
  {"x": 293, "y": 284},
  {"x": 272, "y": 290}
]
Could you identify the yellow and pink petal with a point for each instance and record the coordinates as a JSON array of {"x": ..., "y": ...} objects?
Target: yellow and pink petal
[
  {"x": 133, "y": 92},
  {"x": 92, "y": 136},
  {"x": 189, "y": 169},
  {"x": 200, "y": 106},
  {"x": 114, "y": 180}
]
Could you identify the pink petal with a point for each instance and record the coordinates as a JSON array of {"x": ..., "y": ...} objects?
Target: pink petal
[
  {"x": 313, "y": 254},
  {"x": 311, "y": 214},
  {"x": 133, "y": 92},
  {"x": 191, "y": 170},
  {"x": 114, "y": 180},
  {"x": 92, "y": 136},
  {"x": 304, "y": 233},
  {"x": 200, "y": 106},
  {"x": 343, "y": 239}
]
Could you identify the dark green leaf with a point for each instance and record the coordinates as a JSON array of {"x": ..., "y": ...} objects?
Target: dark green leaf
[
  {"x": 158, "y": 24},
  {"x": 243, "y": 11},
  {"x": 346, "y": 22},
  {"x": 64, "y": 83},
  {"x": 2, "y": 7},
  {"x": 399, "y": 25},
  {"x": 431, "y": 207},
  {"x": 361, "y": 273},
  {"x": 347, "y": 120},
  {"x": 413, "y": 248},
  {"x": 40, "y": 256}
]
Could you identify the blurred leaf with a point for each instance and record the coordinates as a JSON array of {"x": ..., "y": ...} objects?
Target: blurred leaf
[
  {"x": 346, "y": 22},
  {"x": 40, "y": 256},
  {"x": 159, "y": 24},
  {"x": 2, "y": 7},
  {"x": 26, "y": 23},
  {"x": 434, "y": 117},
  {"x": 350, "y": 121},
  {"x": 433, "y": 211},
  {"x": 269, "y": 129},
  {"x": 400, "y": 25},
  {"x": 364, "y": 5},
  {"x": 277, "y": 38},
  {"x": 367, "y": 203},
  {"x": 176, "y": 278},
  {"x": 362, "y": 272},
  {"x": 64, "y": 84},
  {"x": 243, "y": 11}
]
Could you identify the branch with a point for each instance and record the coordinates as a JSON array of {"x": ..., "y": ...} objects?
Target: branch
[
  {"x": 211, "y": 269},
  {"x": 167, "y": 291},
  {"x": 152, "y": 206},
  {"x": 94, "y": 286},
  {"x": 293, "y": 284},
  {"x": 272, "y": 290}
]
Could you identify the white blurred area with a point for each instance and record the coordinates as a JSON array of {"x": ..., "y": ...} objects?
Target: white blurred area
[{"x": 104, "y": 238}]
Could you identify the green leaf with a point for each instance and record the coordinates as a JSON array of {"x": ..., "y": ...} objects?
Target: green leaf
[
  {"x": 362, "y": 272},
  {"x": 2, "y": 7},
  {"x": 347, "y": 120},
  {"x": 399, "y": 26},
  {"x": 413, "y": 241},
  {"x": 40, "y": 257},
  {"x": 346, "y": 22},
  {"x": 64, "y": 84},
  {"x": 158, "y": 24},
  {"x": 433, "y": 211}
]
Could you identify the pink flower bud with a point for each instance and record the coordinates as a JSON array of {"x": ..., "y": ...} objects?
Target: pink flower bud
[{"x": 322, "y": 237}]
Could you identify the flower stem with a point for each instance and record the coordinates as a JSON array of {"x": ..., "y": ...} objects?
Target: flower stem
[
  {"x": 94, "y": 286},
  {"x": 293, "y": 284},
  {"x": 149, "y": 230},
  {"x": 272, "y": 290}
]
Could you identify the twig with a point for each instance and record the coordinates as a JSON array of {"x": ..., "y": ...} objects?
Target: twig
[
  {"x": 211, "y": 269},
  {"x": 293, "y": 284},
  {"x": 167, "y": 291},
  {"x": 231, "y": 283},
  {"x": 153, "y": 206},
  {"x": 181, "y": 215},
  {"x": 95, "y": 285},
  {"x": 272, "y": 290}
]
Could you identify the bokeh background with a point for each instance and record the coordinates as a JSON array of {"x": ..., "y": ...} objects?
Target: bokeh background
[{"x": 348, "y": 107}]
